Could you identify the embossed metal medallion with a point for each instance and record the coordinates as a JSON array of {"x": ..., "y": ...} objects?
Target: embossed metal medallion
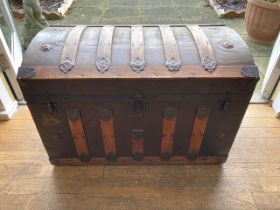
[
  {"x": 66, "y": 65},
  {"x": 250, "y": 71},
  {"x": 170, "y": 113},
  {"x": 105, "y": 114},
  {"x": 203, "y": 111},
  {"x": 173, "y": 64},
  {"x": 137, "y": 64},
  {"x": 26, "y": 73},
  {"x": 209, "y": 63},
  {"x": 227, "y": 45},
  {"x": 45, "y": 48},
  {"x": 103, "y": 64}
]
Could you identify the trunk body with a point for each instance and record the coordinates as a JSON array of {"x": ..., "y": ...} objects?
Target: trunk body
[{"x": 134, "y": 95}]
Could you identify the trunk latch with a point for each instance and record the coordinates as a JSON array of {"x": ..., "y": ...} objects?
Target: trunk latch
[{"x": 138, "y": 102}]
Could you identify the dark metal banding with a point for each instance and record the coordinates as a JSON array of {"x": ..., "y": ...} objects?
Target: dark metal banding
[
  {"x": 137, "y": 62},
  {"x": 171, "y": 51},
  {"x": 205, "y": 50},
  {"x": 104, "y": 50},
  {"x": 69, "y": 53}
]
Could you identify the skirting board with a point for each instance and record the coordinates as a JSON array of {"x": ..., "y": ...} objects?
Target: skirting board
[
  {"x": 7, "y": 114},
  {"x": 276, "y": 105}
]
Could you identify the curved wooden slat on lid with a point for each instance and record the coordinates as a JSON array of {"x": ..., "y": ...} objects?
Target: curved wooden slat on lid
[
  {"x": 104, "y": 49},
  {"x": 171, "y": 50},
  {"x": 137, "y": 62},
  {"x": 69, "y": 53},
  {"x": 205, "y": 50}
]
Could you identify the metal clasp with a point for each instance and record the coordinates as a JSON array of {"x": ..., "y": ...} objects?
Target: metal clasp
[
  {"x": 224, "y": 103},
  {"x": 52, "y": 106},
  {"x": 138, "y": 102}
]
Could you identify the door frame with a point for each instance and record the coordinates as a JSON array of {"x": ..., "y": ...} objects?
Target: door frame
[
  {"x": 10, "y": 58},
  {"x": 273, "y": 71}
]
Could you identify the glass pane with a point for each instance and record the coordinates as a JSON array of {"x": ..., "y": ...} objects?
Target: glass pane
[{"x": 5, "y": 29}]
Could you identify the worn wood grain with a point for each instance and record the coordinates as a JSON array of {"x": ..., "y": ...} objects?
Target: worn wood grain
[
  {"x": 198, "y": 131},
  {"x": 169, "y": 125},
  {"x": 71, "y": 45},
  {"x": 151, "y": 72},
  {"x": 78, "y": 134},
  {"x": 108, "y": 134}
]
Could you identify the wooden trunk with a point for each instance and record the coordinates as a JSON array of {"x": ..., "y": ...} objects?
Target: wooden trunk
[{"x": 138, "y": 94}]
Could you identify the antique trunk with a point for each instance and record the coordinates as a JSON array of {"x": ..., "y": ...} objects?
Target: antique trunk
[{"x": 138, "y": 94}]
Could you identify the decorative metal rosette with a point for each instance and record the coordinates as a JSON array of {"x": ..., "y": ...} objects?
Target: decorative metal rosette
[
  {"x": 45, "y": 48},
  {"x": 227, "y": 45},
  {"x": 103, "y": 64},
  {"x": 66, "y": 65},
  {"x": 209, "y": 63},
  {"x": 137, "y": 64},
  {"x": 173, "y": 64}
]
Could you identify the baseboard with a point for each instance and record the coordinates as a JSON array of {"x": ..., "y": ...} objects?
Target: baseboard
[
  {"x": 8, "y": 114},
  {"x": 276, "y": 105}
]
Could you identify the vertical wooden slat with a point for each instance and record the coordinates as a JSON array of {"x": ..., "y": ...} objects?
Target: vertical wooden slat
[
  {"x": 70, "y": 49},
  {"x": 171, "y": 50},
  {"x": 78, "y": 134},
  {"x": 200, "y": 124},
  {"x": 104, "y": 49},
  {"x": 201, "y": 40},
  {"x": 137, "y": 49},
  {"x": 108, "y": 133},
  {"x": 169, "y": 125},
  {"x": 205, "y": 50},
  {"x": 137, "y": 144}
]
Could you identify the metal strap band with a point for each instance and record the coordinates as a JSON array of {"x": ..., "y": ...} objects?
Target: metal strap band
[
  {"x": 137, "y": 62},
  {"x": 205, "y": 50},
  {"x": 173, "y": 61},
  {"x": 69, "y": 53},
  {"x": 104, "y": 50}
]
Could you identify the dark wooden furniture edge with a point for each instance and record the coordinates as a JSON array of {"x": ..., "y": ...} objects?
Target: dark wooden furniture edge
[{"x": 176, "y": 160}]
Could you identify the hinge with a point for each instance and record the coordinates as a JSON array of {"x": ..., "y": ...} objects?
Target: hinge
[{"x": 138, "y": 103}]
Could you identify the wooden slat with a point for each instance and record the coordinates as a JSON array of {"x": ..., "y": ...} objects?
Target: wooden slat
[
  {"x": 71, "y": 45},
  {"x": 108, "y": 133},
  {"x": 200, "y": 123},
  {"x": 137, "y": 49},
  {"x": 170, "y": 47},
  {"x": 201, "y": 40},
  {"x": 104, "y": 49},
  {"x": 186, "y": 71},
  {"x": 78, "y": 134},
  {"x": 169, "y": 42},
  {"x": 169, "y": 125},
  {"x": 137, "y": 144}
]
